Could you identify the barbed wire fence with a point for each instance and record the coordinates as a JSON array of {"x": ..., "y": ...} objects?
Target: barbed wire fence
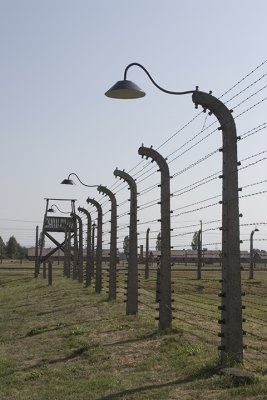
[{"x": 193, "y": 156}]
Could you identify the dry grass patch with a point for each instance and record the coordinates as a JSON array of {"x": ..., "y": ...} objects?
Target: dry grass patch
[{"x": 66, "y": 342}]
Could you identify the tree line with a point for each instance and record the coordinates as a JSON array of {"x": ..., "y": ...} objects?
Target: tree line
[{"x": 12, "y": 249}]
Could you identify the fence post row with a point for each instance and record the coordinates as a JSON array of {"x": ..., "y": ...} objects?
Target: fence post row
[
  {"x": 113, "y": 242},
  {"x": 98, "y": 274},
  {"x": 231, "y": 305},
  {"x": 132, "y": 281},
  {"x": 231, "y": 333},
  {"x": 165, "y": 300}
]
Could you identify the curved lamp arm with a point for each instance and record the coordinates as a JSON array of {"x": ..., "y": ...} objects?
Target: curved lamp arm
[
  {"x": 152, "y": 80},
  {"x": 68, "y": 181},
  {"x": 54, "y": 205},
  {"x": 129, "y": 90}
]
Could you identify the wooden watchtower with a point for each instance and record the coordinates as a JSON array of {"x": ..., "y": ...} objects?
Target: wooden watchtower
[{"x": 53, "y": 225}]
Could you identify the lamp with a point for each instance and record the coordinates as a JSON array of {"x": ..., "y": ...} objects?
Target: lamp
[
  {"x": 129, "y": 90},
  {"x": 69, "y": 181},
  {"x": 125, "y": 90}
]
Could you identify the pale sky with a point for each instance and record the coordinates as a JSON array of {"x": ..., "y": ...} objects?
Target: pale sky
[{"x": 58, "y": 57}]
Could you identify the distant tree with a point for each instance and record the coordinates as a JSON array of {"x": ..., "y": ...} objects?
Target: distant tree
[
  {"x": 2, "y": 244},
  {"x": 22, "y": 252},
  {"x": 194, "y": 243},
  {"x": 158, "y": 242},
  {"x": 258, "y": 251},
  {"x": 12, "y": 247},
  {"x": 2, "y": 248},
  {"x": 126, "y": 247}
]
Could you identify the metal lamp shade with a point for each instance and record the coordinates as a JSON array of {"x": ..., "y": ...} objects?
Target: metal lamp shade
[
  {"x": 125, "y": 90},
  {"x": 67, "y": 182}
]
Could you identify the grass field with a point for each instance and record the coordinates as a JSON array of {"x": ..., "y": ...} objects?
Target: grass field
[{"x": 67, "y": 342}]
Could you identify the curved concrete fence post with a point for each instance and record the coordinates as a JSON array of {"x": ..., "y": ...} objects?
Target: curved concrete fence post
[
  {"x": 89, "y": 260},
  {"x": 98, "y": 272},
  {"x": 132, "y": 280},
  {"x": 165, "y": 300},
  {"x": 112, "y": 288},
  {"x": 80, "y": 246},
  {"x": 231, "y": 304}
]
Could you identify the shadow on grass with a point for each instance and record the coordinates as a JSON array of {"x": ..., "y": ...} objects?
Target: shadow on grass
[
  {"x": 43, "y": 329},
  {"x": 76, "y": 353},
  {"x": 20, "y": 280},
  {"x": 155, "y": 334},
  {"x": 149, "y": 336},
  {"x": 204, "y": 373}
]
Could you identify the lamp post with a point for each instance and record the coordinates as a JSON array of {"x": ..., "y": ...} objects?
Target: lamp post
[
  {"x": 251, "y": 269},
  {"x": 231, "y": 305}
]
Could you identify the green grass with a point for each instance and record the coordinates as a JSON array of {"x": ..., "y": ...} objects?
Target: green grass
[{"x": 67, "y": 342}]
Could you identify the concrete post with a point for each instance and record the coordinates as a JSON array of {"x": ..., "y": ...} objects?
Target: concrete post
[
  {"x": 113, "y": 243},
  {"x": 199, "y": 253},
  {"x": 147, "y": 254},
  {"x": 98, "y": 274},
  {"x": 75, "y": 250},
  {"x": 50, "y": 273},
  {"x": 252, "y": 262},
  {"x": 89, "y": 259},
  {"x": 165, "y": 301},
  {"x": 36, "y": 266},
  {"x": 44, "y": 270},
  {"x": 65, "y": 263},
  {"x": 132, "y": 281},
  {"x": 68, "y": 251},
  {"x": 80, "y": 247},
  {"x": 231, "y": 305},
  {"x": 93, "y": 248},
  {"x": 141, "y": 253}
]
